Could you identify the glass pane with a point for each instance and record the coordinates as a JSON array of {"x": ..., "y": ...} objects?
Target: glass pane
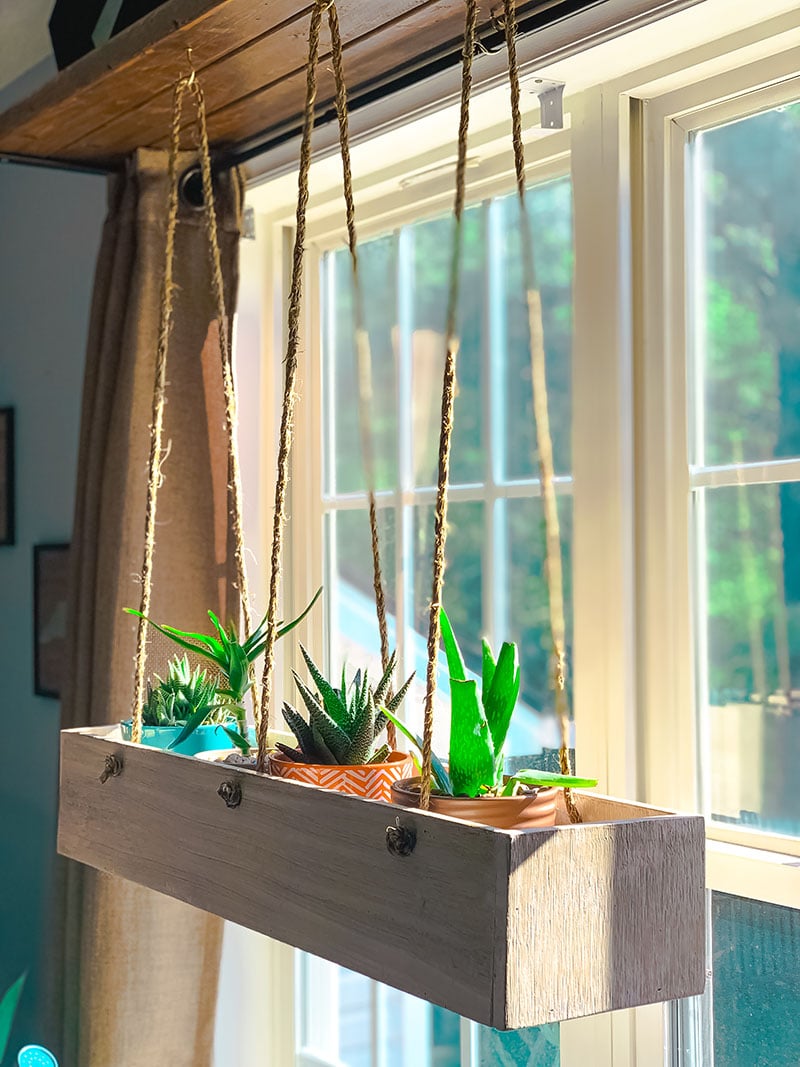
[
  {"x": 550, "y": 213},
  {"x": 378, "y": 273},
  {"x": 463, "y": 599},
  {"x": 536, "y": 1047},
  {"x": 534, "y": 729},
  {"x": 756, "y": 983},
  {"x": 432, "y": 255},
  {"x": 354, "y": 636},
  {"x": 753, "y": 662},
  {"x": 750, "y": 1015},
  {"x": 747, "y": 283}
]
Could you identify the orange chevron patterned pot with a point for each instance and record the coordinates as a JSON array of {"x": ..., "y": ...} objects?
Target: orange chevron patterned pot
[{"x": 370, "y": 780}]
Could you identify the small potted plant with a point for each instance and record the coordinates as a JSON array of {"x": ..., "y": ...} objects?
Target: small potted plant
[
  {"x": 232, "y": 658},
  {"x": 183, "y": 711},
  {"x": 473, "y": 786},
  {"x": 337, "y": 747}
]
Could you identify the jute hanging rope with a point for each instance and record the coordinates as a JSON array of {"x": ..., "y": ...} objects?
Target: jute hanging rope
[
  {"x": 156, "y": 457},
  {"x": 290, "y": 377},
  {"x": 554, "y": 568},
  {"x": 363, "y": 352},
  {"x": 448, "y": 397}
]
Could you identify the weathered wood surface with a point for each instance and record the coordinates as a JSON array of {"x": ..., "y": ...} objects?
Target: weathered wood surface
[
  {"x": 250, "y": 55},
  {"x": 507, "y": 928}
]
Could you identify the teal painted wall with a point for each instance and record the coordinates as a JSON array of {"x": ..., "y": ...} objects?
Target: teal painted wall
[{"x": 49, "y": 233}]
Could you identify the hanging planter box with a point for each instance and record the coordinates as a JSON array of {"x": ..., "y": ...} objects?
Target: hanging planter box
[{"x": 509, "y": 928}]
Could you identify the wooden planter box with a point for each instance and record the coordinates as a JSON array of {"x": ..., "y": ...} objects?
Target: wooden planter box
[{"x": 509, "y": 928}]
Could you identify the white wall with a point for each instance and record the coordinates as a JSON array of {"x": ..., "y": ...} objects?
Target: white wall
[{"x": 49, "y": 232}]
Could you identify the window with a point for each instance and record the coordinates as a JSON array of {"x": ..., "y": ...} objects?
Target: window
[
  {"x": 666, "y": 228},
  {"x": 495, "y": 583},
  {"x": 745, "y": 463}
]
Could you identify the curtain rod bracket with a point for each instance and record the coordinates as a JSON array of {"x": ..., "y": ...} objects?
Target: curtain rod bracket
[{"x": 551, "y": 101}]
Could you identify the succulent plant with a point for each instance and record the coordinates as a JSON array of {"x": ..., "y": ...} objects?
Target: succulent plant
[
  {"x": 343, "y": 724},
  {"x": 479, "y": 725},
  {"x": 232, "y": 656},
  {"x": 180, "y": 697}
]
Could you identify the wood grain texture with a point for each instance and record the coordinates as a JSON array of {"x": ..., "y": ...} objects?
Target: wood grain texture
[
  {"x": 250, "y": 55},
  {"x": 504, "y": 927},
  {"x": 623, "y": 923}
]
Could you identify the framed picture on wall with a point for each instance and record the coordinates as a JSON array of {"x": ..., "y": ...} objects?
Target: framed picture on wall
[
  {"x": 50, "y": 582},
  {"x": 7, "y": 476}
]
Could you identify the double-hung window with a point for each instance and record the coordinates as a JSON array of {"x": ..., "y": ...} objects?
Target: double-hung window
[{"x": 667, "y": 236}]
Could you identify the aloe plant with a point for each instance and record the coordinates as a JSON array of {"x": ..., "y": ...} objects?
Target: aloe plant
[
  {"x": 343, "y": 724},
  {"x": 479, "y": 725},
  {"x": 231, "y": 655}
]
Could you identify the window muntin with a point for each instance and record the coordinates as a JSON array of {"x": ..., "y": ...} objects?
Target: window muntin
[{"x": 495, "y": 582}]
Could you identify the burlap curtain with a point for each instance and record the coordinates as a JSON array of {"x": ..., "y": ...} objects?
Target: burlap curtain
[{"x": 135, "y": 973}]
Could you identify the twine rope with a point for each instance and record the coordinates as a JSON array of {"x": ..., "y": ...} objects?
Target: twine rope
[
  {"x": 226, "y": 360},
  {"x": 544, "y": 441},
  {"x": 363, "y": 351},
  {"x": 157, "y": 452},
  {"x": 290, "y": 376},
  {"x": 448, "y": 397},
  {"x": 154, "y": 476}
]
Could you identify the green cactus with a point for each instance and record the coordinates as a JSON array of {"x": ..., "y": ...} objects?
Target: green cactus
[
  {"x": 180, "y": 696},
  {"x": 343, "y": 724}
]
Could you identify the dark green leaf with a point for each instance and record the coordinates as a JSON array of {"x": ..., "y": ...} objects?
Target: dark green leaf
[
  {"x": 296, "y": 622},
  {"x": 179, "y": 638},
  {"x": 334, "y": 739},
  {"x": 301, "y": 730},
  {"x": 385, "y": 682},
  {"x": 439, "y": 772},
  {"x": 334, "y": 705},
  {"x": 237, "y": 738},
  {"x": 399, "y": 696},
  {"x": 197, "y": 718}
]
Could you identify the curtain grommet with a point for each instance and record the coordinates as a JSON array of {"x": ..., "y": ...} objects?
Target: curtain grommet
[{"x": 190, "y": 188}]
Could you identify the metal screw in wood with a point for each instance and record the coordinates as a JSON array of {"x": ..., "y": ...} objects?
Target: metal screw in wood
[
  {"x": 112, "y": 769},
  {"x": 231, "y": 793},
  {"x": 401, "y": 840}
]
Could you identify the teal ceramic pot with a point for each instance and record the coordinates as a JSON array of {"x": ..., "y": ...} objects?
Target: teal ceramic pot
[{"x": 204, "y": 739}]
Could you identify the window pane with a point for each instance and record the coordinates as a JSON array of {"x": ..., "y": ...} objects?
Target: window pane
[
  {"x": 534, "y": 728},
  {"x": 753, "y": 662},
  {"x": 550, "y": 214},
  {"x": 354, "y": 636},
  {"x": 463, "y": 600},
  {"x": 751, "y": 1014},
  {"x": 747, "y": 284},
  {"x": 378, "y": 274},
  {"x": 432, "y": 255}
]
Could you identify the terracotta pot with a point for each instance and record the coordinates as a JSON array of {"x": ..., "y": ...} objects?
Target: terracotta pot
[
  {"x": 370, "y": 780},
  {"x": 526, "y": 812}
]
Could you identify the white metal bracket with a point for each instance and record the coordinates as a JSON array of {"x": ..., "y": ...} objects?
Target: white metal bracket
[{"x": 551, "y": 101}]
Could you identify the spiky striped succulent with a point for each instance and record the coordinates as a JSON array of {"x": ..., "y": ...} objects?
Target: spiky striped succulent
[
  {"x": 181, "y": 696},
  {"x": 343, "y": 724}
]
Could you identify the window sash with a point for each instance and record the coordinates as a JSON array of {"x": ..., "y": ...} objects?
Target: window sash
[{"x": 742, "y": 861}]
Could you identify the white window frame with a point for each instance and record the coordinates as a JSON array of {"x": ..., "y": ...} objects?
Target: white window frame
[
  {"x": 741, "y": 861},
  {"x": 628, "y": 315}
]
